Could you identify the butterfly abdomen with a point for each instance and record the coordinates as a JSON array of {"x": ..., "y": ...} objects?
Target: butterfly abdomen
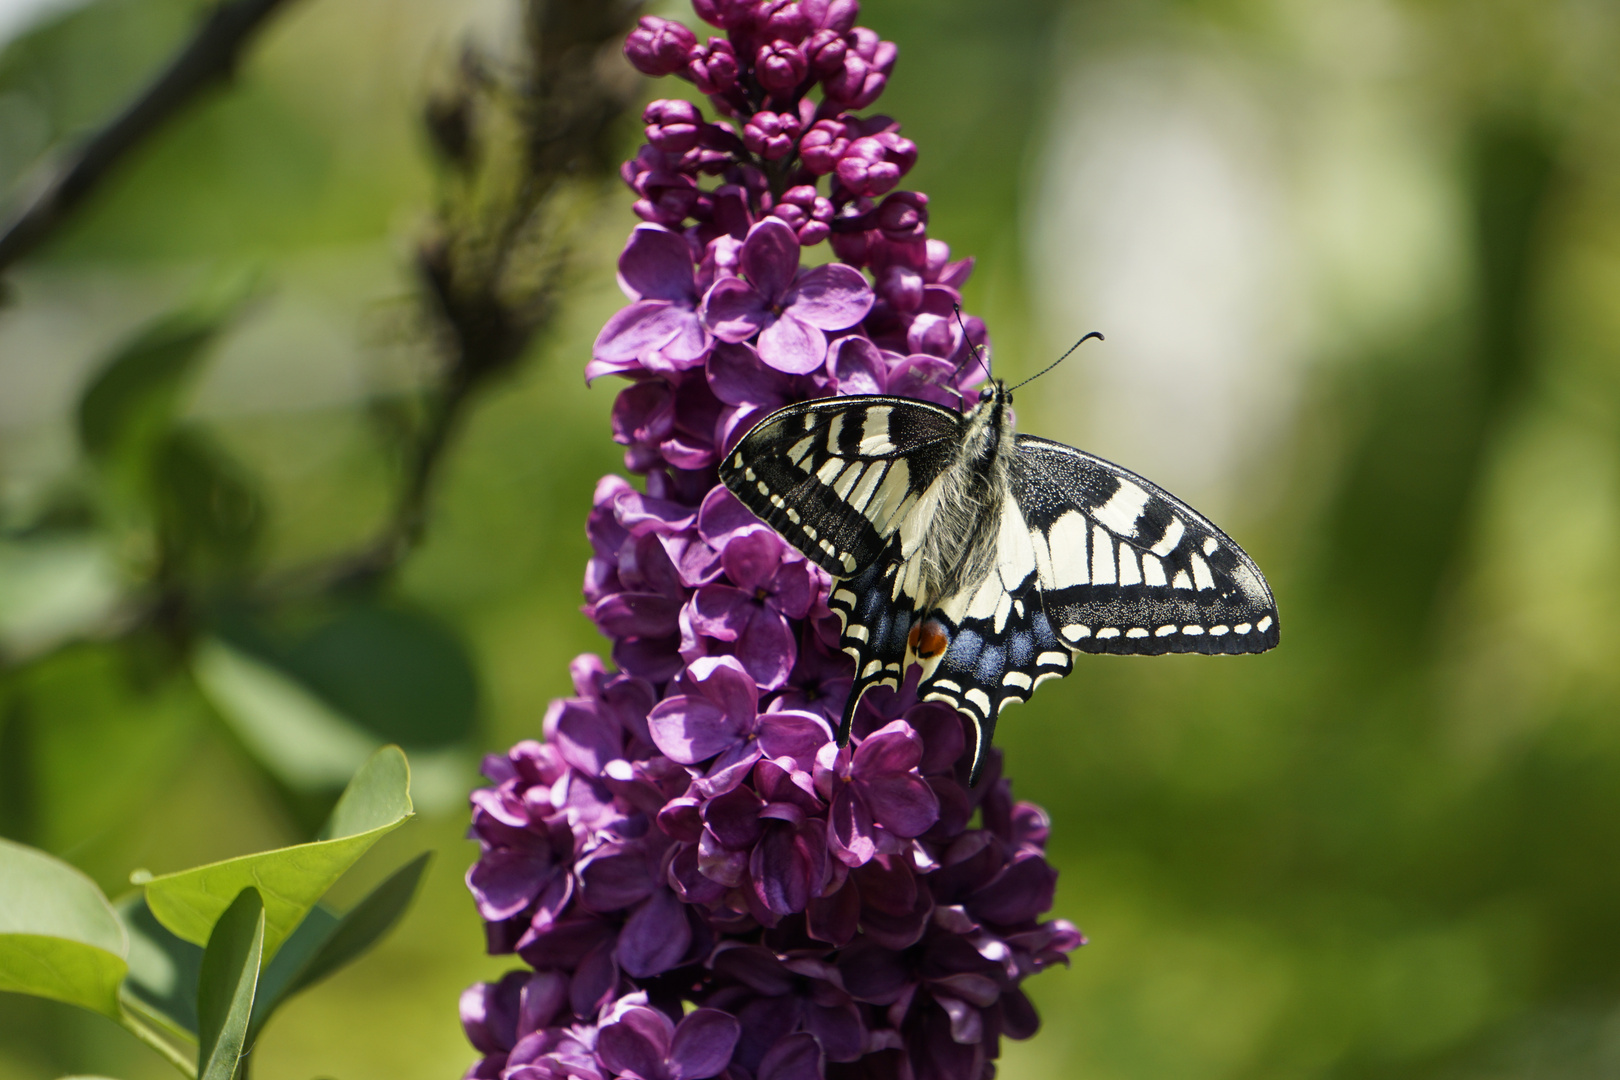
[{"x": 958, "y": 547}]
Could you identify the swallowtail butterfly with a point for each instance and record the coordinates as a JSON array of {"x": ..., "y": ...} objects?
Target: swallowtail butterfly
[{"x": 986, "y": 557}]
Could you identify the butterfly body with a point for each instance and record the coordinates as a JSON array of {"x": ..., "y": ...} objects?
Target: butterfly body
[{"x": 987, "y": 558}]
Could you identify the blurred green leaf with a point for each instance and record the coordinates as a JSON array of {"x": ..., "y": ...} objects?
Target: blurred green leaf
[
  {"x": 59, "y": 937},
  {"x": 376, "y": 802},
  {"x": 295, "y": 734},
  {"x": 133, "y": 400},
  {"x": 163, "y": 969},
  {"x": 340, "y": 941},
  {"x": 226, "y": 985},
  {"x": 398, "y": 672},
  {"x": 52, "y": 588},
  {"x": 207, "y": 507}
]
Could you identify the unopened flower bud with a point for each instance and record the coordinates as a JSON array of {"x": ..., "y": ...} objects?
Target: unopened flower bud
[
  {"x": 771, "y": 135},
  {"x": 807, "y": 213},
  {"x": 658, "y": 46},
  {"x": 826, "y": 50},
  {"x": 673, "y": 125},
  {"x": 782, "y": 19},
  {"x": 780, "y": 66},
  {"x": 713, "y": 66},
  {"x": 723, "y": 13},
  {"x": 870, "y": 168},
  {"x": 904, "y": 216},
  {"x": 823, "y": 145}
]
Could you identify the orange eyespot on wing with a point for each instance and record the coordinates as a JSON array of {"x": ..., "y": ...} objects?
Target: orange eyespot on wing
[{"x": 927, "y": 640}]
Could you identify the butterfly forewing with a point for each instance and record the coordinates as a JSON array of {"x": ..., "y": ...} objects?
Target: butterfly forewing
[{"x": 836, "y": 476}]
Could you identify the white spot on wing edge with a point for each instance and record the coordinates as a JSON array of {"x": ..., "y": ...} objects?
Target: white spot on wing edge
[
  {"x": 1018, "y": 679},
  {"x": 1108, "y": 632},
  {"x": 1076, "y": 632},
  {"x": 1264, "y": 624},
  {"x": 980, "y": 698}
]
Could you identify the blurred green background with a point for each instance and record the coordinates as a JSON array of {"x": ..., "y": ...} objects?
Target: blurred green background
[{"x": 1358, "y": 262}]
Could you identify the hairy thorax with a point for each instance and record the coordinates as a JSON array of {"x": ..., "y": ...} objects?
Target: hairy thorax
[{"x": 958, "y": 549}]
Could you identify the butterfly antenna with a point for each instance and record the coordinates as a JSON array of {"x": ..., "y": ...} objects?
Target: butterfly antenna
[
  {"x": 975, "y": 354},
  {"x": 1059, "y": 360}
]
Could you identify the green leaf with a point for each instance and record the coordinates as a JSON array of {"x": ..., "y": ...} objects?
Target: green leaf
[
  {"x": 398, "y": 672},
  {"x": 133, "y": 400},
  {"x": 207, "y": 508},
  {"x": 162, "y": 980},
  {"x": 292, "y": 879},
  {"x": 226, "y": 984},
  {"x": 59, "y": 937},
  {"x": 296, "y": 735},
  {"x": 344, "y": 940}
]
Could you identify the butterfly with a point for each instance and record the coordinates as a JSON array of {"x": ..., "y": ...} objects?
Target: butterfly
[{"x": 986, "y": 557}]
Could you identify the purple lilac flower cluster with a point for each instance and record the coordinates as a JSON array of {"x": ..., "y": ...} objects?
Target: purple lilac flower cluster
[{"x": 702, "y": 883}]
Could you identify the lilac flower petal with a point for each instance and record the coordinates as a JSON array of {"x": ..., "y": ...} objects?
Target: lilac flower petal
[
  {"x": 657, "y": 265},
  {"x": 586, "y": 740},
  {"x": 796, "y": 735},
  {"x": 829, "y": 297},
  {"x": 703, "y": 1042},
  {"x": 737, "y": 377},
  {"x": 721, "y": 612},
  {"x": 691, "y": 729},
  {"x": 1019, "y": 1020},
  {"x": 636, "y": 1043},
  {"x": 789, "y": 344},
  {"x": 734, "y": 818},
  {"x": 595, "y": 980},
  {"x": 768, "y": 650},
  {"x": 756, "y": 967},
  {"x": 640, "y": 330},
  {"x": 637, "y": 615},
  {"x": 849, "y": 827},
  {"x": 858, "y": 366},
  {"x": 656, "y": 936},
  {"x": 1022, "y": 891},
  {"x": 872, "y": 973},
  {"x": 797, "y": 1057},
  {"x": 966, "y": 1021},
  {"x": 835, "y": 918},
  {"x": 721, "y": 515},
  {"x": 614, "y": 877},
  {"x": 780, "y": 868},
  {"x": 543, "y": 995},
  {"x": 735, "y": 311},
  {"x": 770, "y": 259},
  {"x": 904, "y": 805},
  {"x": 838, "y": 1029},
  {"x": 506, "y": 881},
  {"x": 893, "y": 748},
  {"x": 752, "y": 556},
  {"x": 724, "y": 681}
]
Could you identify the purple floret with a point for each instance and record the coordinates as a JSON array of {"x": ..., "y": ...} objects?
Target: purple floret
[{"x": 700, "y": 881}]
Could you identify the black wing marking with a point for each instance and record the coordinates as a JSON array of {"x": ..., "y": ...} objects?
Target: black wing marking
[
  {"x": 836, "y": 476},
  {"x": 1128, "y": 568},
  {"x": 877, "y": 620},
  {"x": 1094, "y": 558},
  {"x": 1003, "y": 642}
]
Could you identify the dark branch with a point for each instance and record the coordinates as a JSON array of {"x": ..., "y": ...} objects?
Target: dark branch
[{"x": 210, "y": 57}]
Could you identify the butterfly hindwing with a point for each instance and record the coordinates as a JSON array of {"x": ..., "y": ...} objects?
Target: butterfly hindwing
[{"x": 835, "y": 476}]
